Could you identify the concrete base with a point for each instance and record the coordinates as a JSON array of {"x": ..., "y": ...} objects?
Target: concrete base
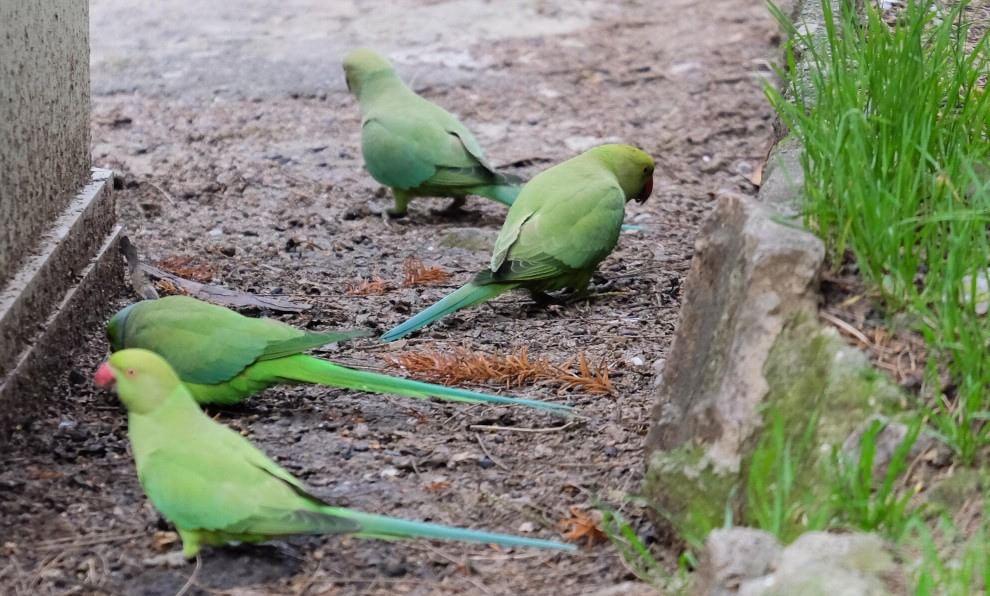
[{"x": 57, "y": 297}]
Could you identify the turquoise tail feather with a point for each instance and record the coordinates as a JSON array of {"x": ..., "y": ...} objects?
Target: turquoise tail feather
[
  {"x": 379, "y": 526},
  {"x": 302, "y": 368},
  {"x": 503, "y": 193},
  {"x": 465, "y": 296}
]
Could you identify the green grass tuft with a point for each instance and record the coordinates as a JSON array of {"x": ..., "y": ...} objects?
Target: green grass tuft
[{"x": 894, "y": 124}]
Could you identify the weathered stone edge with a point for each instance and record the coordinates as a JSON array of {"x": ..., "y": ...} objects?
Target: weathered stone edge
[
  {"x": 68, "y": 291},
  {"x": 43, "y": 279},
  {"x": 688, "y": 460}
]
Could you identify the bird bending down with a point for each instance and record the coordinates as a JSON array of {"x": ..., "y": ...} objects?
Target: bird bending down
[{"x": 566, "y": 220}]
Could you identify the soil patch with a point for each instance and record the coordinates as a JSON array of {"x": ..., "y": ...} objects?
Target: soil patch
[{"x": 265, "y": 192}]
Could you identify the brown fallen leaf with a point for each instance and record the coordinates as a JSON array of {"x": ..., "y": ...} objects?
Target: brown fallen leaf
[
  {"x": 437, "y": 486},
  {"x": 418, "y": 274},
  {"x": 43, "y": 474},
  {"x": 140, "y": 273},
  {"x": 163, "y": 541},
  {"x": 512, "y": 370},
  {"x": 169, "y": 288},
  {"x": 756, "y": 178},
  {"x": 187, "y": 266},
  {"x": 585, "y": 525},
  {"x": 369, "y": 287}
]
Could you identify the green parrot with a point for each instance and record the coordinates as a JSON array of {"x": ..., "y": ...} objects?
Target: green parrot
[
  {"x": 224, "y": 357},
  {"x": 216, "y": 487},
  {"x": 414, "y": 146},
  {"x": 566, "y": 220}
]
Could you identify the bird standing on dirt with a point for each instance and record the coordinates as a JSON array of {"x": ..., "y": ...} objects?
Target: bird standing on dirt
[
  {"x": 216, "y": 487},
  {"x": 566, "y": 220},
  {"x": 224, "y": 357},
  {"x": 414, "y": 146}
]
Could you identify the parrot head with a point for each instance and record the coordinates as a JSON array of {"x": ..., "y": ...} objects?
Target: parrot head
[
  {"x": 143, "y": 379},
  {"x": 116, "y": 326},
  {"x": 360, "y": 64},
  {"x": 633, "y": 168}
]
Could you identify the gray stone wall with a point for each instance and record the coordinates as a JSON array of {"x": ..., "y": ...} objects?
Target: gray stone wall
[{"x": 44, "y": 119}]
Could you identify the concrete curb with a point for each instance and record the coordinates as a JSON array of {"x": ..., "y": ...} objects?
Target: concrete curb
[{"x": 57, "y": 297}]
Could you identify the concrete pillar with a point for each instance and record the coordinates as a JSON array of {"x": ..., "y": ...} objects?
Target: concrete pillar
[{"x": 56, "y": 214}]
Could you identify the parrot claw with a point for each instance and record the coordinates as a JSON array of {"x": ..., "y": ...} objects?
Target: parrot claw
[
  {"x": 605, "y": 286},
  {"x": 172, "y": 560},
  {"x": 546, "y": 300},
  {"x": 454, "y": 209}
]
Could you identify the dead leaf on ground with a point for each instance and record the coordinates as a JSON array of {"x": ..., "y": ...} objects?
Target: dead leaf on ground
[
  {"x": 369, "y": 287},
  {"x": 163, "y": 541},
  {"x": 140, "y": 273},
  {"x": 756, "y": 178},
  {"x": 187, "y": 266},
  {"x": 512, "y": 370},
  {"x": 169, "y": 288},
  {"x": 418, "y": 274},
  {"x": 583, "y": 525},
  {"x": 43, "y": 474},
  {"x": 437, "y": 486}
]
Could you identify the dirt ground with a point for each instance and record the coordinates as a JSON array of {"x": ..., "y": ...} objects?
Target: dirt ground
[{"x": 236, "y": 143}]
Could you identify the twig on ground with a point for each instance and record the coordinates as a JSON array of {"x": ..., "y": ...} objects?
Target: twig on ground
[
  {"x": 192, "y": 577},
  {"x": 518, "y": 429},
  {"x": 79, "y": 541},
  {"x": 165, "y": 193},
  {"x": 494, "y": 459}
]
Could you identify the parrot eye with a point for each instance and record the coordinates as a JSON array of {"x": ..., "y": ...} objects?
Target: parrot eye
[{"x": 130, "y": 372}]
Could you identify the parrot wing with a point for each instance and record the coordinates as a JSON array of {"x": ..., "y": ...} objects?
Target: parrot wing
[
  {"x": 306, "y": 342},
  {"x": 208, "y": 344},
  {"x": 213, "y": 489},
  {"x": 407, "y": 152},
  {"x": 568, "y": 229}
]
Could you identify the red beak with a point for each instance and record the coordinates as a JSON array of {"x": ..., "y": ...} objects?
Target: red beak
[
  {"x": 647, "y": 191},
  {"x": 104, "y": 376}
]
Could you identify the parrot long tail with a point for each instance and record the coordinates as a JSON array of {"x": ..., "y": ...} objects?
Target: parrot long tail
[
  {"x": 388, "y": 528},
  {"x": 307, "y": 369},
  {"x": 465, "y": 296},
  {"x": 505, "y": 189}
]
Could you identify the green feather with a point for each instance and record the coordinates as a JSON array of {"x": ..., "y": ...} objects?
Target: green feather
[
  {"x": 466, "y": 296},
  {"x": 306, "y": 369},
  {"x": 216, "y": 487},
  {"x": 223, "y": 356},
  {"x": 413, "y": 145},
  {"x": 378, "y": 526},
  {"x": 561, "y": 225}
]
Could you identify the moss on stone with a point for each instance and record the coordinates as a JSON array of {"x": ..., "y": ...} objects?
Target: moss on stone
[
  {"x": 810, "y": 372},
  {"x": 687, "y": 491},
  {"x": 810, "y": 369}
]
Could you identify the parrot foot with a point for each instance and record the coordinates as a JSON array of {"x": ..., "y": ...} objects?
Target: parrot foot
[
  {"x": 605, "y": 286},
  {"x": 172, "y": 560},
  {"x": 394, "y": 213},
  {"x": 543, "y": 299},
  {"x": 454, "y": 209}
]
